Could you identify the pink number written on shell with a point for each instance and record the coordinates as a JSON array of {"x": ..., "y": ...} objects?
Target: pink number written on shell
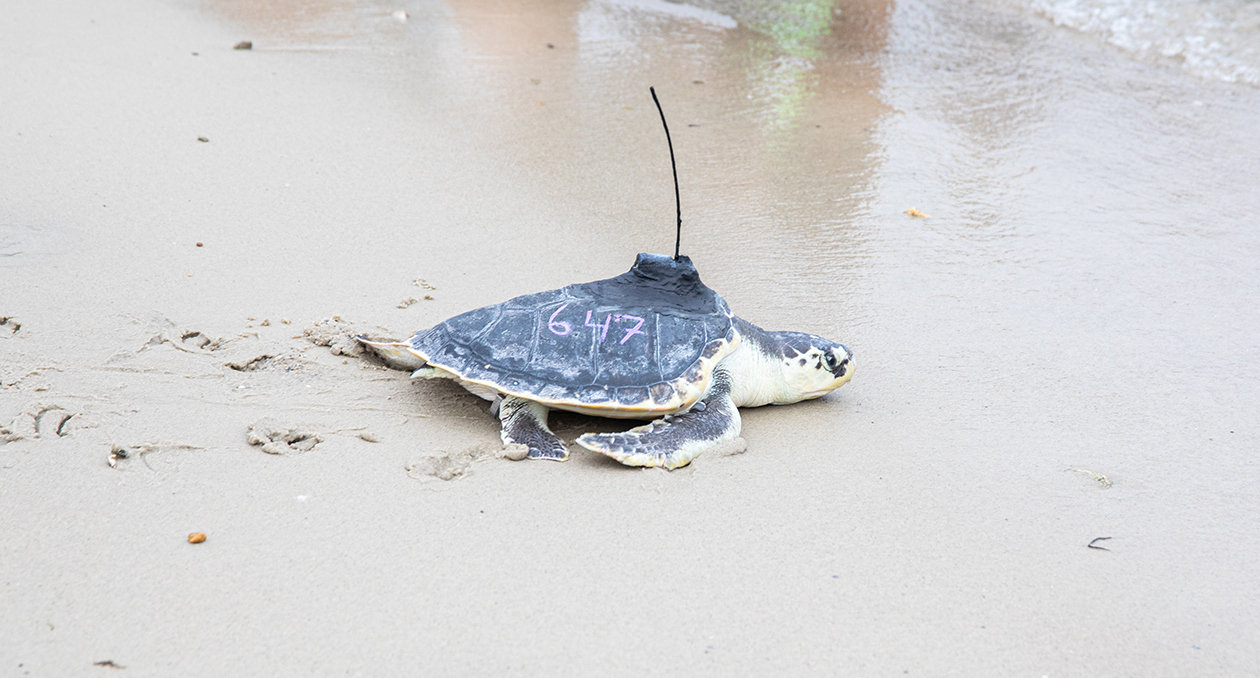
[
  {"x": 602, "y": 329},
  {"x": 562, "y": 328},
  {"x": 633, "y": 330},
  {"x": 553, "y": 324}
]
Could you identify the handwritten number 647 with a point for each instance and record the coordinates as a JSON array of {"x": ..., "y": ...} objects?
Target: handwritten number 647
[{"x": 562, "y": 328}]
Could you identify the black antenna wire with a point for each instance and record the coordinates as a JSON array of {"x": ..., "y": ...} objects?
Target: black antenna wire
[{"x": 673, "y": 166}]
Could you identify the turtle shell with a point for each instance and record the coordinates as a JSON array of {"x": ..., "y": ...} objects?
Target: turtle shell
[{"x": 641, "y": 344}]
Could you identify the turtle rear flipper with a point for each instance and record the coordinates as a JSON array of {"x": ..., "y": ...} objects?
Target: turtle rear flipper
[
  {"x": 525, "y": 423},
  {"x": 396, "y": 354},
  {"x": 674, "y": 440}
]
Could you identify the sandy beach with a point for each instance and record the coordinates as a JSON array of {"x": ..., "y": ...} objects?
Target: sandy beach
[{"x": 1045, "y": 464}]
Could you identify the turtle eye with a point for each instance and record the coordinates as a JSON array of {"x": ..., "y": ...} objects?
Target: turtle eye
[{"x": 831, "y": 362}]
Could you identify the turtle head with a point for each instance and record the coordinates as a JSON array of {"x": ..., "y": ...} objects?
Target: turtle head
[{"x": 812, "y": 366}]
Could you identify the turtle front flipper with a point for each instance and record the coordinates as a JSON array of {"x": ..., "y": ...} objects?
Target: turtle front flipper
[
  {"x": 674, "y": 440},
  {"x": 525, "y": 423}
]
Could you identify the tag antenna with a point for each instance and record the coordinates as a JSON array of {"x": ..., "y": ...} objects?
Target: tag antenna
[{"x": 674, "y": 166}]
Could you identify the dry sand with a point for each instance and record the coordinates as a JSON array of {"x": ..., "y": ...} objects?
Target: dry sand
[{"x": 1063, "y": 350}]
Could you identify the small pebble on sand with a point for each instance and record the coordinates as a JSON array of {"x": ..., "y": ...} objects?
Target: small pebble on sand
[
  {"x": 244, "y": 44},
  {"x": 196, "y": 537}
]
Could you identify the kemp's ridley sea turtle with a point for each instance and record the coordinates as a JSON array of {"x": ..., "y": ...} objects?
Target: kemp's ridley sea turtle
[{"x": 652, "y": 343}]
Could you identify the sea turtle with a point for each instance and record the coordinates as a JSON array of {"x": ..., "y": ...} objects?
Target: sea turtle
[{"x": 653, "y": 343}]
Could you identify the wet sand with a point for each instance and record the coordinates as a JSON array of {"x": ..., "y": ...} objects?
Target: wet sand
[{"x": 1063, "y": 350}]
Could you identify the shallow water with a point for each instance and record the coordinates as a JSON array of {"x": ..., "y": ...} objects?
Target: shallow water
[{"x": 1217, "y": 40}]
